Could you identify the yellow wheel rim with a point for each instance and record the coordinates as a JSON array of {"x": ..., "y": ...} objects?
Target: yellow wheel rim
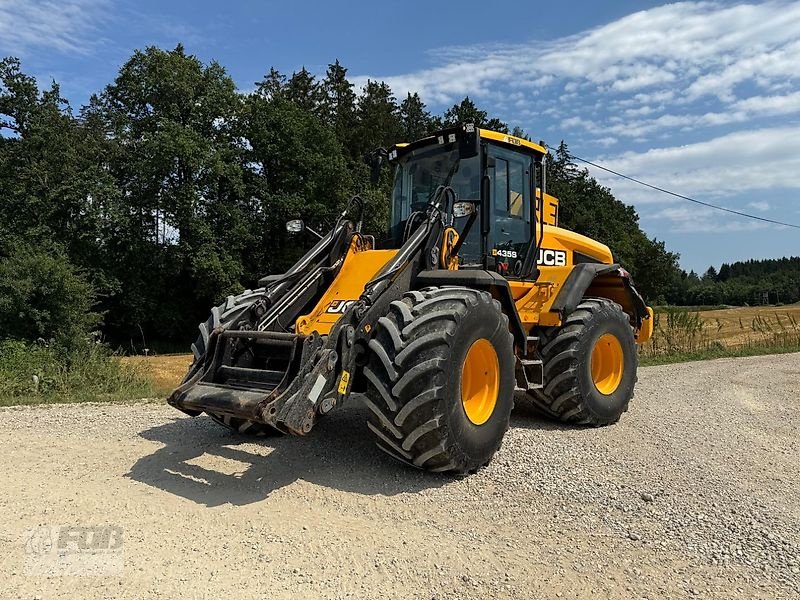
[
  {"x": 480, "y": 381},
  {"x": 608, "y": 364}
]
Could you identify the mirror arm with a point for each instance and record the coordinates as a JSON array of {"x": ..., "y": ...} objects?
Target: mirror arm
[{"x": 319, "y": 235}]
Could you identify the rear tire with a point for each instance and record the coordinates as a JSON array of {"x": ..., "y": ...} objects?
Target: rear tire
[
  {"x": 228, "y": 315},
  {"x": 440, "y": 379},
  {"x": 589, "y": 365}
]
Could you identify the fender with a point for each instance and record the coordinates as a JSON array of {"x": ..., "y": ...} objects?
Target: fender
[
  {"x": 600, "y": 280},
  {"x": 479, "y": 279}
]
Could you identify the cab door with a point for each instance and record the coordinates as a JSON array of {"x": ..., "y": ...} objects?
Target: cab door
[{"x": 510, "y": 199}]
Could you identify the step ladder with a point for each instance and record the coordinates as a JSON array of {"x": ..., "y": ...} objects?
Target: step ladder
[{"x": 529, "y": 372}]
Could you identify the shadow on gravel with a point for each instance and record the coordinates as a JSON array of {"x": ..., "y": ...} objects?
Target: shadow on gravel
[
  {"x": 525, "y": 416},
  {"x": 338, "y": 454}
]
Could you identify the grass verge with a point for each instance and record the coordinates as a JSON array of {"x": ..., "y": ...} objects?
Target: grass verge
[
  {"x": 716, "y": 352},
  {"x": 39, "y": 374}
]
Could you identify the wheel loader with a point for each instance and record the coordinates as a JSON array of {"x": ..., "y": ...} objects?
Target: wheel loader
[{"x": 473, "y": 297}]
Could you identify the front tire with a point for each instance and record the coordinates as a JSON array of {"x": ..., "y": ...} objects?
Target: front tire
[
  {"x": 589, "y": 365},
  {"x": 440, "y": 379}
]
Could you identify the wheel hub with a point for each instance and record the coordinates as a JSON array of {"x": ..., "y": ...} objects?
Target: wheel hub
[
  {"x": 607, "y": 364},
  {"x": 480, "y": 381}
]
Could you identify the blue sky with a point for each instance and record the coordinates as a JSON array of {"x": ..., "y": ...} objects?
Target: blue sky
[{"x": 701, "y": 98}]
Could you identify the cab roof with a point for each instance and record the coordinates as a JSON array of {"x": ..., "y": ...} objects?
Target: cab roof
[
  {"x": 512, "y": 140},
  {"x": 440, "y": 136}
]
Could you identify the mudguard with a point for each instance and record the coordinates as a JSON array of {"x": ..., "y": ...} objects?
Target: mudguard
[
  {"x": 601, "y": 280},
  {"x": 479, "y": 279}
]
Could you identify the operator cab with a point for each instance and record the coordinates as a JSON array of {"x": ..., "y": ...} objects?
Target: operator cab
[{"x": 475, "y": 163}]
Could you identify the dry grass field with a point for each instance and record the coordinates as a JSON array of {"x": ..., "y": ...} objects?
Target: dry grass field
[
  {"x": 735, "y": 326},
  {"x": 166, "y": 370},
  {"x": 681, "y": 334}
]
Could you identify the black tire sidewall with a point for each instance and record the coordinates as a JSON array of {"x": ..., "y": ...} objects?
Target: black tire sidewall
[
  {"x": 479, "y": 442},
  {"x": 607, "y": 321}
]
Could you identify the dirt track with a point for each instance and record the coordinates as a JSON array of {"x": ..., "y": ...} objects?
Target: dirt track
[{"x": 695, "y": 493}]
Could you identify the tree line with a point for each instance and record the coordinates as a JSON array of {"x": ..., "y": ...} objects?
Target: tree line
[
  {"x": 751, "y": 282},
  {"x": 169, "y": 190}
]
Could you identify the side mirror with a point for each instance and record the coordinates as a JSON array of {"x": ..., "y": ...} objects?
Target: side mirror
[
  {"x": 298, "y": 226},
  {"x": 463, "y": 209},
  {"x": 295, "y": 226}
]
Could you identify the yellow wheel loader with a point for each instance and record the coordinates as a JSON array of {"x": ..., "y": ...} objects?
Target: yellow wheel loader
[{"x": 474, "y": 295}]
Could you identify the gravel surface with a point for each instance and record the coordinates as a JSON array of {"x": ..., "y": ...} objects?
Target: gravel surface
[{"x": 695, "y": 493}]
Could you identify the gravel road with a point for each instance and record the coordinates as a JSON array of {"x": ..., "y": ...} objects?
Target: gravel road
[{"x": 695, "y": 493}]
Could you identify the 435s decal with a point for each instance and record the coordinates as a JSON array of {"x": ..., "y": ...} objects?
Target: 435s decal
[{"x": 504, "y": 253}]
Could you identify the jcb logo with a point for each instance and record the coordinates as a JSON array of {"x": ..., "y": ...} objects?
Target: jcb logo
[
  {"x": 339, "y": 306},
  {"x": 552, "y": 258}
]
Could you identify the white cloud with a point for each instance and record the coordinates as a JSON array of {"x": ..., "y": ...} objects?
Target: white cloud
[
  {"x": 770, "y": 105},
  {"x": 738, "y": 171},
  {"x": 759, "y": 205},
  {"x": 578, "y": 121},
  {"x": 686, "y": 56},
  {"x": 684, "y": 71},
  {"x": 762, "y": 159},
  {"x": 63, "y": 26}
]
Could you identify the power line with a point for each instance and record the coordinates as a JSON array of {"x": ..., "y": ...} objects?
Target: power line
[{"x": 660, "y": 189}]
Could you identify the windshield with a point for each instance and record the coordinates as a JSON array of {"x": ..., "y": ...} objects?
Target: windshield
[{"x": 420, "y": 174}]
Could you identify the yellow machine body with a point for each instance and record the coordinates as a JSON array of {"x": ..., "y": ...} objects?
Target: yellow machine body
[
  {"x": 361, "y": 264},
  {"x": 533, "y": 299}
]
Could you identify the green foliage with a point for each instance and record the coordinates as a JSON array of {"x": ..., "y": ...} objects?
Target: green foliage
[
  {"x": 677, "y": 331},
  {"x": 53, "y": 182},
  {"x": 415, "y": 120},
  {"x": 467, "y": 112},
  {"x": 286, "y": 141},
  {"x": 752, "y": 282},
  {"x": 32, "y": 373},
  {"x": 43, "y": 296},
  {"x": 181, "y": 222},
  {"x": 338, "y": 104},
  {"x": 379, "y": 118}
]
